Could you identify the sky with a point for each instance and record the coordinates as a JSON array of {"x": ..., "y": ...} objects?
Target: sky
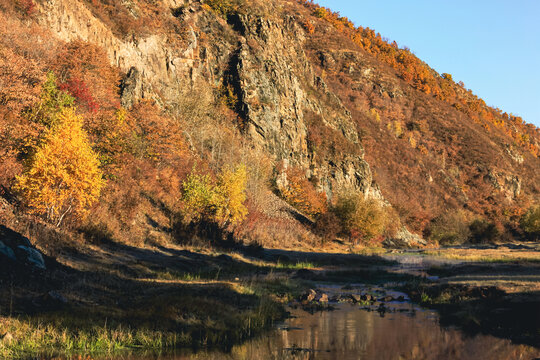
[{"x": 493, "y": 46}]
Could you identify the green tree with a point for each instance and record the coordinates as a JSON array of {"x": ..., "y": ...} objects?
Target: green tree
[
  {"x": 63, "y": 174},
  {"x": 53, "y": 101}
]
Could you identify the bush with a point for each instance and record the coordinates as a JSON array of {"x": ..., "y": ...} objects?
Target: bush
[
  {"x": 361, "y": 218},
  {"x": 530, "y": 223},
  {"x": 450, "y": 228},
  {"x": 220, "y": 202},
  {"x": 300, "y": 193},
  {"x": 223, "y": 7},
  {"x": 483, "y": 231},
  {"x": 328, "y": 226}
]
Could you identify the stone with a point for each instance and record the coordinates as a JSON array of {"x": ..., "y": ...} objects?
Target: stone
[
  {"x": 309, "y": 295},
  {"x": 367, "y": 297},
  {"x": 33, "y": 257},
  {"x": 57, "y": 297},
  {"x": 6, "y": 251},
  {"x": 404, "y": 239}
]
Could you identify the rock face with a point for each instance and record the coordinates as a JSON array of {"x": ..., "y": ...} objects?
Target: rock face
[
  {"x": 261, "y": 60},
  {"x": 309, "y": 101}
]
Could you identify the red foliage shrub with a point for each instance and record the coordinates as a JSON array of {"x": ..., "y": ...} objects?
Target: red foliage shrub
[
  {"x": 78, "y": 89},
  {"x": 28, "y": 6}
]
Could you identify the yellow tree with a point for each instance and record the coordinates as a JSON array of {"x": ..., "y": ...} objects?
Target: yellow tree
[
  {"x": 63, "y": 175},
  {"x": 221, "y": 202},
  {"x": 232, "y": 190}
]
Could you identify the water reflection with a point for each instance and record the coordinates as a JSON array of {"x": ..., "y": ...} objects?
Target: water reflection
[{"x": 352, "y": 333}]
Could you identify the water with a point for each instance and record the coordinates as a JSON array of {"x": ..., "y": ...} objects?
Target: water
[{"x": 351, "y": 331}]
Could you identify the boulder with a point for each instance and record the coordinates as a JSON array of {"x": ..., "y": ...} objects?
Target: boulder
[
  {"x": 404, "y": 239},
  {"x": 308, "y": 295},
  {"x": 33, "y": 257},
  {"x": 18, "y": 248},
  {"x": 6, "y": 251}
]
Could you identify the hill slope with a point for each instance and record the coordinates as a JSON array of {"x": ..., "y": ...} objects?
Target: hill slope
[{"x": 312, "y": 105}]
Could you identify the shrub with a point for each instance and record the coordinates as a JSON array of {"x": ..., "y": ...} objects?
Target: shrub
[
  {"x": 530, "y": 222},
  {"x": 53, "y": 101},
  {"x": 221, "y": 202},
  {"x": 450, "y": 228},
  {"x": 483, "y": 231},
  {"x": 78, "y": 89},
  {"x": 361, "y": 218},
  {"x": 223, "y": 7},
  {"x": 302, "y": 194},
  {"x": 328, "y": 226}
]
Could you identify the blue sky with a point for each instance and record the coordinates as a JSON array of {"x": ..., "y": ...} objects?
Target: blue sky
[{"x": 492, "y": 46}]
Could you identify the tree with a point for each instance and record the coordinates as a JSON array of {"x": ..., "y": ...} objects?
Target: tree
[
  {"x": 53, "y": 101},
  {"x": 199, "y": 197},
  {"x": 530, "y": 222},
  {"x": 221, "y": 202},
  {"x": 63, "y": 174},
  {"x": 231, "y": 189}
]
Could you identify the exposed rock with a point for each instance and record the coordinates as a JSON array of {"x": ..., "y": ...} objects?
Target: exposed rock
[
  {"x": 57, "y": 297},
  {"x": 131, "y": 88},
  {"x": 404, "y": 239},
  {"x": 33, "y": 257},
  {"x": 6, "y": 251},
  {"x": 18, "y": 248},
  {"x": 308, "y": 296},
  {"x": 263, "y": 61},
  {"x": 367, "y": 297},
  {"x": 321, "y": 297}
]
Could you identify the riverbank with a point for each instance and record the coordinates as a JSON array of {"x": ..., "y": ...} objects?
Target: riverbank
[{"x": 111, "y": 298}]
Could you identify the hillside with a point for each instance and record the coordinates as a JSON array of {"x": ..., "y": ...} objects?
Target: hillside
[
  {"x": 182, "y": 175},
  {"x": 309, "y": 106}
]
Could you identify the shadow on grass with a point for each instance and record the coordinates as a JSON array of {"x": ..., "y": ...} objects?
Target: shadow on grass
[
  {"x": 192, "y": 299},
  {"x": 116, "y": 291}
]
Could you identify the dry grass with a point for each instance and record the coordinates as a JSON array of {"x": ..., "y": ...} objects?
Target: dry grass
[{"x": 487, "y": 255}]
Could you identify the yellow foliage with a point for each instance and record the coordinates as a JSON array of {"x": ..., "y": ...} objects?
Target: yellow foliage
[
  {"x": 412, "y": 141},
  {"x": 221, "y": 202},
  {"x": 361, "y": 218},
  {"x": 231, "y": 188},
  {"x": 375, "y": 115},
  {"x": 63, "y": 175}
]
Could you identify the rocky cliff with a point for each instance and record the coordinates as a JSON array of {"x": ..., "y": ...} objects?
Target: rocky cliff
[
  {"x": 261, "y": 58},
  {"x": 314, "y": 98}
]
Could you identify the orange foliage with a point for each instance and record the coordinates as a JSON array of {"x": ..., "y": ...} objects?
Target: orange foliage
[
  {"x": 301, "y": 193},
  {"x": 420, "y": 76}
]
